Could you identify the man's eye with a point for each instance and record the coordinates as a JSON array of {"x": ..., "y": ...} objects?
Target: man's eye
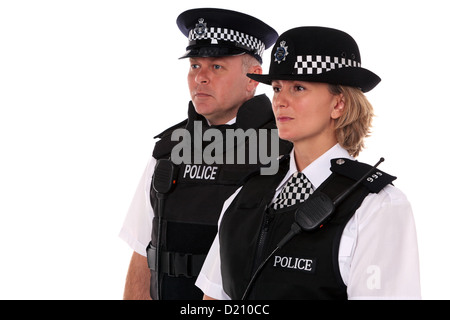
[
  {"x": 217, "y": 67},
  {"x": 195, "y": 66}
]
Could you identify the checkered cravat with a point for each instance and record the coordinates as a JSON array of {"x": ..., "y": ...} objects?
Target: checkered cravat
[{"x": 297, "y": 189}]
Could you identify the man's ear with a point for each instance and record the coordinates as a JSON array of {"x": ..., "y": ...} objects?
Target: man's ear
[
  {"x": 255, "y": 69},
  {"x": 252, "y": 84}
]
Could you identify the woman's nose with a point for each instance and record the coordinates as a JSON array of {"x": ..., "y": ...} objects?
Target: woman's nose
[{"x": 280, "y": 100}]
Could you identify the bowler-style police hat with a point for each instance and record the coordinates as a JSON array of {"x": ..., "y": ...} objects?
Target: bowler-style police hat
[
  {"x": 318, "y": 54},
  {"x": 219, "y": 32}
]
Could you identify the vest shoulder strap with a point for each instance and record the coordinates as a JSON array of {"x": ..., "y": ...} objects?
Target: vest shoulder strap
[
  {"x": 355, "y": 170},
  {"x": 168, "y": 131},
  {"x": 164, "y": 146}
]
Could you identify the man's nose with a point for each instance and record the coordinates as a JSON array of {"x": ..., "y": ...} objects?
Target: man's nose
[{"x": 202, "y": 77}]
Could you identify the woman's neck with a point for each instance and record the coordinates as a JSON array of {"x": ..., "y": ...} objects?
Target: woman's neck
[{"x": 305, "y": 153}]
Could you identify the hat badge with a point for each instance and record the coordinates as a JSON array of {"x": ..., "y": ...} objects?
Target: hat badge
[
  {"x": 200, "y": 27},
  {"x": 281, "y": 52}
]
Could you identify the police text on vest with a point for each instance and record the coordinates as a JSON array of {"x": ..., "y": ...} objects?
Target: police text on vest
[
  {"x": 302, "y": 264},
  {"x": 200, "y": 172}
]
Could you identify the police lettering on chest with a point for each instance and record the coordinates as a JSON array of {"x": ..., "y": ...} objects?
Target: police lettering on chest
[
  {"x": 295, "y": 263},
  {"x": 200, "y": 172}
]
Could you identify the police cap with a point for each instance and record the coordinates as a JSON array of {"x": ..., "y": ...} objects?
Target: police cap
[
  {"x": 218, "y": 32},
  {"x": 318, "y": 54}
]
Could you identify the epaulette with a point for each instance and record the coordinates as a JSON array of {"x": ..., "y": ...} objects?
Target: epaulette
[
  {"x": 164, "y": 146},
  {"x": 355, "y": 170}
]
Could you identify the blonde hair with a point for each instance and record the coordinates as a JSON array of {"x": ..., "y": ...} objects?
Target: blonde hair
[{"x": 356, "y": 121}]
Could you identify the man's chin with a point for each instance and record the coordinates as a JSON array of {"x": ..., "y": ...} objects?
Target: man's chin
[{"x": 205, "y": 109}]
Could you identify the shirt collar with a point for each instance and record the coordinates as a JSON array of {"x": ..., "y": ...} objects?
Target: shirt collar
[
  {"x": 231, "y": 122},
  {"x": 319, "y": 170}
]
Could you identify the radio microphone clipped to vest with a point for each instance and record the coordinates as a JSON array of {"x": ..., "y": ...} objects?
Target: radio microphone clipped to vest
[
  {"x": 311, "y": 215},
  {"x": 164, "y": 179},
  {"x": 319, "y": 208}
]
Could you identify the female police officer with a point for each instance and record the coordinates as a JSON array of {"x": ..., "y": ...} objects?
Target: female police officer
[{"x": 366, "y": 248}]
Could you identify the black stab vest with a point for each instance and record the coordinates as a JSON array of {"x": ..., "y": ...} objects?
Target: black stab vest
[
  {"x": 306, "y": 267},
  {"x": 192, "y": 209}
]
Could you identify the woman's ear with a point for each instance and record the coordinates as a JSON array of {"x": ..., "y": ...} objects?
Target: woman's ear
[{"x": 339, "y": 106}]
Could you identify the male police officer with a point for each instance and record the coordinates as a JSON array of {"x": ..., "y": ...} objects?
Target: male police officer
[{"x": 223, "y": 47}]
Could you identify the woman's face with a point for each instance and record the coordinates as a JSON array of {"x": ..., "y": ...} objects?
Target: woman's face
[{"x": 305, "y": 111}]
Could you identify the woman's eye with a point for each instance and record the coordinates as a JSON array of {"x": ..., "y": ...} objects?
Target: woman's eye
[{"x": 276, "y": 89}]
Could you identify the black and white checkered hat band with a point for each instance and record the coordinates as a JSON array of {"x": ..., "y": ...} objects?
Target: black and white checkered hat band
[
  {"x": 319, "y": 64},
  {"x": 224, "y": 34}
]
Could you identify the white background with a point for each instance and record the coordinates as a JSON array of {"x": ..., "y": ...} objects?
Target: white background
[{"x": 85, "y": 85}]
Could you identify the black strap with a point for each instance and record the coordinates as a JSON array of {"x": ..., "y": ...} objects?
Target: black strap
[{"x": 176, "y": 264}]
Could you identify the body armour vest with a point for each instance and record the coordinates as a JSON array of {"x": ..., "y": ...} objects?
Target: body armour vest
[
  {"x": 306, "y": 267},
  {"x": 188, "y": 224}
]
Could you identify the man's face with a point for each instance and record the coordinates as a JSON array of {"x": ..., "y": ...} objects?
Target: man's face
[{"x": 218, "y": 87}]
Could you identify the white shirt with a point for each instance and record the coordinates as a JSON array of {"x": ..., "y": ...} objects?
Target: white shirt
[
  {"x": 378, "y": 253},
  {"x": 137, "y": 228}
]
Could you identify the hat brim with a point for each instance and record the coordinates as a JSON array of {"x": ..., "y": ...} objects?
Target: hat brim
[
  {"x": 206, "y": 52},
  {"x": 356, "y": 77},
  {"x": 228, "y": 19}
]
